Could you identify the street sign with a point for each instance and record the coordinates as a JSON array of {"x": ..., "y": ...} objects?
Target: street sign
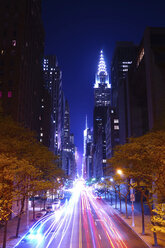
[{"x": 132, "y": 197}]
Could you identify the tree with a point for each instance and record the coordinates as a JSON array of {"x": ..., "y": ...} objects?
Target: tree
[
  {"x": 158, "y": 220},
  {"x": 26, "y": 167},
  {"x": 142, "y": 159}
]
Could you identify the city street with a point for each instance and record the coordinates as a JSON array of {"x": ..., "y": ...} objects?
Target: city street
[{"x": 83, "y": 222}]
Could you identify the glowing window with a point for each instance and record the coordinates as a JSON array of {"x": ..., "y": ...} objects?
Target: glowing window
[
  {"x": 116, "y": 127},
  {"x": 14, "y": 43},
  {"x": 41, "y": 134},
  {"x": 116, "y": 121},
  {"x": 9, "y": 94}
]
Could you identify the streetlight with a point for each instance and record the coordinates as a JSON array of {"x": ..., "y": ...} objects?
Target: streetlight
[{"x": 119, "y": 171}]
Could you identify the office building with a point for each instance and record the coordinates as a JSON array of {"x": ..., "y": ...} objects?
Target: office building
[
  {"x": 102, "y": 97},
  {"x": 21, "y": 55},
  {"x": 123, "y": 57}
]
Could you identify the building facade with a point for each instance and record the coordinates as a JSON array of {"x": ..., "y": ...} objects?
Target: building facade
[
  {"x": 146, "y": 85},
  {"x": 87, "y": 154},
  {"x": 102, "y": 99},
  {"x": 122, "y": 60},
  {"x": 68, "y": 153},
  {"x": 53, "y": 84},
  {"x": 21, "y": 55}
]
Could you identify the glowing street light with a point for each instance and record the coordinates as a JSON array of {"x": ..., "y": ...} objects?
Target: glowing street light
[{"x": 119, "y": 172}]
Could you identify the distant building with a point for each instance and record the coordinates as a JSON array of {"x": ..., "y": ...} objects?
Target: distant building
[
  {"x": 21, "y": 55},
  {"x": 53, "y": 84},
  {"x": 123, "y": 57},
  {"x": 146, "y": 84},
  {"x": 87, "y": 155},
  {"x": 102, "y": 95},
  {"x": 68, "y": 147},
  {"x": 112, "y": 132}
]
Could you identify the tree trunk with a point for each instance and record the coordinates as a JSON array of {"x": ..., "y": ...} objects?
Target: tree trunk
[
  {"x": 126, "y": 211},
  {"x": 115, "y": 200},
  {"x": 154, "y": 233},
  {"x": 142, "y": 209},
  {"x": 120, "y": 203},
  {"x": 5, "y": 235},
  {"x": 19, "y": 216}
]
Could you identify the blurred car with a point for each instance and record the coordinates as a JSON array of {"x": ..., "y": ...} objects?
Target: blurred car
[
  {"x": 49, "y": 208},
  {"x": 56, "y": 203}
]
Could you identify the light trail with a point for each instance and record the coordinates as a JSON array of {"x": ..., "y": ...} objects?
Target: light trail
[{"x": 80, "y": 222}]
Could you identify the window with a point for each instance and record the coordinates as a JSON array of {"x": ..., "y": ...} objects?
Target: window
[
  {"x": 116, "y": 127},
  {"x": 41, "y": 134},
  {"x": 9, "y": 94},
  {"x": 116, "y": 121},
  {"x": 14, "y": 43}
]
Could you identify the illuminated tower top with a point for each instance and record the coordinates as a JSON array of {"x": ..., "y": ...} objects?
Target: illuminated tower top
[
  {"x": 102, "y": 66},
  {"x": 102, "y": 87}
]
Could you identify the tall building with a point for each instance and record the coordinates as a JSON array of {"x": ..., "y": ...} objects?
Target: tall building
[
  {"x": 112, "y": 132},
  {"x": 87, "y": 154},
  {"x": 68, "y": 147},
  {"x": 102, "y": 95},
  {"x": 21, "y": 54},
  {"x": 123, "y": 57},
  {"x": 146, "y": 84},
  {"x": 102, "y": 87},
  {"x": 53, "y": 84}
]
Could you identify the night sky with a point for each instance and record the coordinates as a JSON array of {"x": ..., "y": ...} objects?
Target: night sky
[{"x": 76, "y": 31}]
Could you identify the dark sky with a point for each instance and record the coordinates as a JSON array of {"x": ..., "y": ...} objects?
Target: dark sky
[{"x": 76, "y": 31}]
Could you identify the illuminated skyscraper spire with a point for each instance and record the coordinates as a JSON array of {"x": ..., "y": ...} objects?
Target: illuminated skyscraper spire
[
  {"x": 102, "y": 65},
  {"x": 102, "y": 86},
  {"x": 86, "y": 123}
]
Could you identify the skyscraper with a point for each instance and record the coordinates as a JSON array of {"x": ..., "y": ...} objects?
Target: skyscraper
[
  {"x": 68, "y": 147},
  {"x": 21, "y": 54},
  {"x": 146, "y": 84},
  {"x": 87, "y": 154},
  {"x": 122, "y": 60},
  {"x": 102, "y": 87},
  {"x": 102, "y": 95},
  {"x": 53, "y": 84}
]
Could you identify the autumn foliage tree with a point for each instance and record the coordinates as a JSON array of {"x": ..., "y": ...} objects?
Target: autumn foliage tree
[
  {"x": 26, "y": 167},
  {"x": 143, "y": 160}
]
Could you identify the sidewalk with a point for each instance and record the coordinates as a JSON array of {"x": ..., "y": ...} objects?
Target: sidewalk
[
  {"x": 148, "y": 237},
  {"x": 11, "y": 230}
]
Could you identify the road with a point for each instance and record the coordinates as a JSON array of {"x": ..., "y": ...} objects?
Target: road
[{"x": 82, "y": 222}]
